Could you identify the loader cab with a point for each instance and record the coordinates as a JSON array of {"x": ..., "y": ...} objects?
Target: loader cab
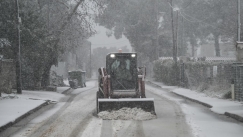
[{"x": 122, "y": 68}]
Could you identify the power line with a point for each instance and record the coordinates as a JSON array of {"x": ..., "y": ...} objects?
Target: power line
[
  {"x": 201, "y": 21},
  {"x": 187, "y": 5},
  {"x": 187, "y": 18},
  {"x": 197, "y": 20},
  {"x": 181, "y": 8}
]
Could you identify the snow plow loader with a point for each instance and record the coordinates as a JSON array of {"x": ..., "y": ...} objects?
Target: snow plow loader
[{"x": 121, "y": 84}]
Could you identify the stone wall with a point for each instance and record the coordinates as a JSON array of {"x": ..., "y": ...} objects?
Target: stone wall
[{"x": 7, "y": 74}]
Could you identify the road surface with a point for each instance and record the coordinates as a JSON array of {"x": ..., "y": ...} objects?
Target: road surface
[{"x": 75, "y": 117}]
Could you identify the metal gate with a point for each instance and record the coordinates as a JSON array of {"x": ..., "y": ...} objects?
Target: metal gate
[{"x": 238, "y": 80}]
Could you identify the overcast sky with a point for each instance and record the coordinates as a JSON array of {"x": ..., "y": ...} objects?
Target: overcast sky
[{"x": 102, "y": 40}]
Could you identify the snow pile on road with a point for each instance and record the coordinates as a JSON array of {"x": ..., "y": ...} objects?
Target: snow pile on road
[{"x": 127, "y": 114}]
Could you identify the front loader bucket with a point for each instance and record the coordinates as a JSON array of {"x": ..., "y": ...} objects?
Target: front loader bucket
[{"x": 147, "y": 104}]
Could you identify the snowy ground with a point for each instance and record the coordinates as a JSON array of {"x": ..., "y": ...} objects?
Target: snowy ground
[
  {"x": 176, "y": 116},
  {"x": 219, "y": 106},
  {"x": 11, "y": 110},
  {"x": 70, "y": 116},
  {"x": 206, "y": 122},
  {"x": 13, "y": 105}
]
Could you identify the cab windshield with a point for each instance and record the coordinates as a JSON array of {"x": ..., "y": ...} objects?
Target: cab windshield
[{"x": 122, "y": 74}]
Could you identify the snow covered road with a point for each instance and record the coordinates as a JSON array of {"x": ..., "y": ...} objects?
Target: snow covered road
[
  {"x": 202, "y": 121},
  {"x": 74, "y": 116}
]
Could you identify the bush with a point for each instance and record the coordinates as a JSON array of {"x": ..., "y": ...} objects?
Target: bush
[
  {"x": 196, "y": 75},
  {"x": 166, "y": 71},
  {"x": 200, "y": 76}
]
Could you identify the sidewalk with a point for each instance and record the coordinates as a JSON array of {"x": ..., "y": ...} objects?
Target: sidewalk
[
  {"x": 233, "y": 109},
  {"x": 14, "y": 107}
]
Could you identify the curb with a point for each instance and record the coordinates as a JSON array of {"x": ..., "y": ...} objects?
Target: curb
[
  {"x": 231, "y": 115},
  {"x": 65, "y": 91},
  {"x": 194, "y": 100},
  {"x": 2, "y": 128},
  {"x": 234, "y": 116},
  {"x": 151, "y": 83}
]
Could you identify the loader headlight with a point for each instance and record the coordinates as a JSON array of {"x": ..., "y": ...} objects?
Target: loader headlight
[
  {"x": 133, "y": 55},
  {"x": 112, "y": 56}
]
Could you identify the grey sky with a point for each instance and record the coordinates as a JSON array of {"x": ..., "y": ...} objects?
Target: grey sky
[{"x": 102, "y": 40}]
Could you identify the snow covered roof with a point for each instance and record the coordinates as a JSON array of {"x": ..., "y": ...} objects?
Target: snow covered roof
[
  {"x": 239, "y": 42},
  {"x": 76, "y": 70},
  {"x": 209, "y": 59},
  {"x": 220, "y": 59}
]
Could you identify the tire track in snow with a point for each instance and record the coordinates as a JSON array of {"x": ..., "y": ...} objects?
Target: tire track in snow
[
  {"x": 171, "y": 119},
  {"x": 67, "y": 124},
  {"x": 139, "y": 129},
  {"x": 106, "y": 130},
  {"x": 81, "y": 126},
  {"x": 135, "y": 129},
  {"x": 47, "y": 126},
  {"x": 93, "y": 129},
  {"x": 122, "y": 128}
]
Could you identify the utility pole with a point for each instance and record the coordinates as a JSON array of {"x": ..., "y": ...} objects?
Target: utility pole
[
  {"x": 182, "y": 38},
  {"x": 155, "y": 44},
  {"x": 173, "y": 34},
  {"x": 48, "y": 18},
  {"x": 90, "y": 62},
  {"x": 17, "y": 46},
  {"x": 156, "y": 29},
  {"x": 239, "y": 23},
  {"x": 175, "y": 41},
  {"x": 176, "y": 34}
]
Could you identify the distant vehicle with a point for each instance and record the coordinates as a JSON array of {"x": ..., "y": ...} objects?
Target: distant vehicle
[
  {"x": 76, "y": 79},
  {"x": 121, "y": 84}
]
